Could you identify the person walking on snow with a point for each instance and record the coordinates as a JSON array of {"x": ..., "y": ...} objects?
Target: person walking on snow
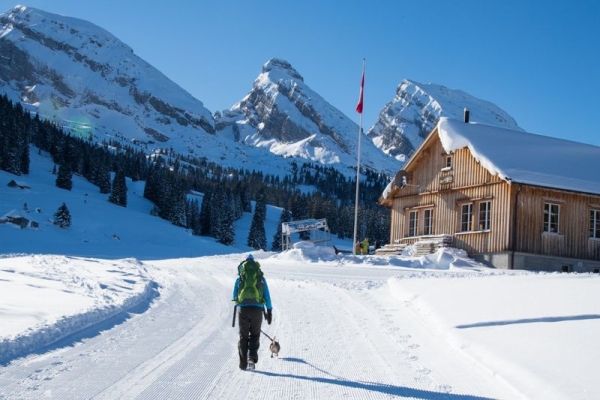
[
  {"x": 251, "y": 296},
  {"x": 364, "y": 246}
]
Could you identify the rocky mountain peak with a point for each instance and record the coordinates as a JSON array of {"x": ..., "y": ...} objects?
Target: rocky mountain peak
[
  {"x": 284, "y": 115},
  {"x": 86, "y": 80},
  {"x": 415, "y": 110},
  {"x": 284, "y": 66}
]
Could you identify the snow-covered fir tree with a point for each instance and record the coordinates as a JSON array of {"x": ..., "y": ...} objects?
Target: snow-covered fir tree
[{"x": 62, "y": 216}]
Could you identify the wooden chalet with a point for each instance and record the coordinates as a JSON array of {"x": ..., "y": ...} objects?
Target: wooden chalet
[{"x": 510, "y": 199}]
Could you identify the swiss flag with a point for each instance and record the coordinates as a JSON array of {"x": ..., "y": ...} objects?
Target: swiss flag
[{"x": 359, "y": 106}]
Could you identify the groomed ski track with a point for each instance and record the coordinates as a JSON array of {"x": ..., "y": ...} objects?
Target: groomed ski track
[{"x": 343, "y": 335}]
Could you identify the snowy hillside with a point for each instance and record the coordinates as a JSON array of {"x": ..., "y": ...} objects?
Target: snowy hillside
[
  {"x": 97, "y": 226},
  {"x": 74, "y": 72}
]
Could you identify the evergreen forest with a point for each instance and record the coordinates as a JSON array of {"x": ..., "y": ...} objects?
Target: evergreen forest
[{"x": 227, "y": 192}]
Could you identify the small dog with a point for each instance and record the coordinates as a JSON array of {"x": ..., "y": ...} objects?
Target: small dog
[{"x": 274, "y": 347}]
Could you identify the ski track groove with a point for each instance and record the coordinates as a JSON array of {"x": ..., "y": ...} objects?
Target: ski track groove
[{"x": 342, "y": 337}]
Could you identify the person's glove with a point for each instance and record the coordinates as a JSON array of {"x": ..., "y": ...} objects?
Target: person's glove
[{"x": 269, "y": 316}]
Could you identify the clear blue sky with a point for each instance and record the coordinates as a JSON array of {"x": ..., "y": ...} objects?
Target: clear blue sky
[{"x": 537, "y": 60}]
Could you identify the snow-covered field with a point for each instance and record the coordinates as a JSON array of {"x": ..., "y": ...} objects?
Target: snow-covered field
[{"x": 148, "y": 315}]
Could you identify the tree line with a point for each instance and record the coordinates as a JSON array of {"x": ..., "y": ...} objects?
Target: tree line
[{"x": 192, "y": 192}]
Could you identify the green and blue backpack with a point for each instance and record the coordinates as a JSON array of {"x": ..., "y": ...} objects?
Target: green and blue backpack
[{"x": 250, "y": 289}]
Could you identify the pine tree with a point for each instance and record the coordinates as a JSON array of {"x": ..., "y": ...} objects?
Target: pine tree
[
  {"x": 193, "y": 216},
  {"x": 118, "y": 195},
  {"x": 64, "y": 178},
  {"x": 257, "y": 238},
  {"x": 24, "y": 160},
  {"x": 62, "y": 216},
  {"x": 218, "y": 214},
  {"x": 178, "y": 208},
  {"x": 286, "y": 216},
  {"x": 205, "y": 215},
  {"x": 103, "y": 178},
  {"x": 227, "y": 229},
  {"x": 242, "y": 189}
]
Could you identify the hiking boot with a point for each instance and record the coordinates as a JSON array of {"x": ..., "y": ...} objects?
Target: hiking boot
[{"x": 253, "y": 356}]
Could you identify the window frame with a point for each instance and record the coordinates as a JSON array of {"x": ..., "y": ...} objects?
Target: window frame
[
  {"x": 551, "y": 218},
  {"x": 448, "y": 162},
  {"x": 428, "y": 221},
  {"x": 594, "y": 224},
  {"x": 413, "y": 223},
  {"x": 466, "y": 225},
  {"x": 487, "y": 219}
]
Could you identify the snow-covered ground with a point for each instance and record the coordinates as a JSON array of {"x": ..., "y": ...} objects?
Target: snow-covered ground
[{"x": 128, "y": 306}]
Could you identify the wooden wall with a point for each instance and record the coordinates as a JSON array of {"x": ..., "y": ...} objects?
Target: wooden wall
[
  {"x": 572, "y": 240},
  {"x": 468, "y": 181}
]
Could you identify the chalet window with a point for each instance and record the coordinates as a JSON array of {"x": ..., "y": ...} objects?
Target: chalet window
[
  {"x": 448, "y": 161},
  {"x": 595, "y": 224},
  {"x": 466, "y": 223},
  {"x": 413, "y": 218},
  {"x": 551, "y": 217},
  {"x": 427, "y": 222},
  {"x": 476, "y": 216},
  {"x": 484, "y": 215}
]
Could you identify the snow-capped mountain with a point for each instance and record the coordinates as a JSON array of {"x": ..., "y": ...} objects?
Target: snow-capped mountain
[
  {"x": 79, "y": 75},
  {"x": 415, "y": 110},
  {"x": 86, "y": 80},
  {"x": 282, "y": 113}
]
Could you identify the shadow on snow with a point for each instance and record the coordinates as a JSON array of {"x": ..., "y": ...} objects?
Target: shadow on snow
[
  {"x": 402, "y": 391},
  {"x": 529, "y": 321}
]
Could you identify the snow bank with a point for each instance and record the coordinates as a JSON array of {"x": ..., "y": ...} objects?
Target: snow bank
[
  {"x": 48, "y": 298},
  {"x": 445, "y": 258},
  {"x": 307, "y": 251}
]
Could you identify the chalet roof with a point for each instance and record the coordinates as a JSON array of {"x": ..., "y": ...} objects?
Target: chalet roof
[{"x": 521, "y": 157}]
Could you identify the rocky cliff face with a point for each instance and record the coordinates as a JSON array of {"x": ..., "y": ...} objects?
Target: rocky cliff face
[
  {"x": 415, "y": 110},
  {"x": 77, "y": 74},
  {"x": 283, "y": 114}
]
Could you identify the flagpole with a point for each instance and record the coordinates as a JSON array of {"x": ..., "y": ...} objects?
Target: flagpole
[{"x": 359, "y": 109}]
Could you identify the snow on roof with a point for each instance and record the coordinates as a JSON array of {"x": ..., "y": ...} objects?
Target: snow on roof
[
  {"x": 527, "y": 158},
  {"x": 12, "y": 214}
]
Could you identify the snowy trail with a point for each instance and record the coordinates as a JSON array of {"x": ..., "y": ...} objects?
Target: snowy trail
[{"x": 184, "y": 347}]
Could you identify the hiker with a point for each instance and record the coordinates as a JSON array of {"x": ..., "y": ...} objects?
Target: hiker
[
  {"x": 364, "y": 246},
  {"x": 251, "y": 296}
]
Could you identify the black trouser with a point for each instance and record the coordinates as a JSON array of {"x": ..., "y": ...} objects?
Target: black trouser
[{"x": 249, "y": 321}]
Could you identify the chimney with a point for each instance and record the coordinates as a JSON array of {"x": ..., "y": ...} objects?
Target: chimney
[{"x": 466, "y": 117}]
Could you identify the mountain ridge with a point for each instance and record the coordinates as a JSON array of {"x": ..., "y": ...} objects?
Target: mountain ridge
[
  {"x": 407, "y": 119},
  {"x": 80, "y": 76}
]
